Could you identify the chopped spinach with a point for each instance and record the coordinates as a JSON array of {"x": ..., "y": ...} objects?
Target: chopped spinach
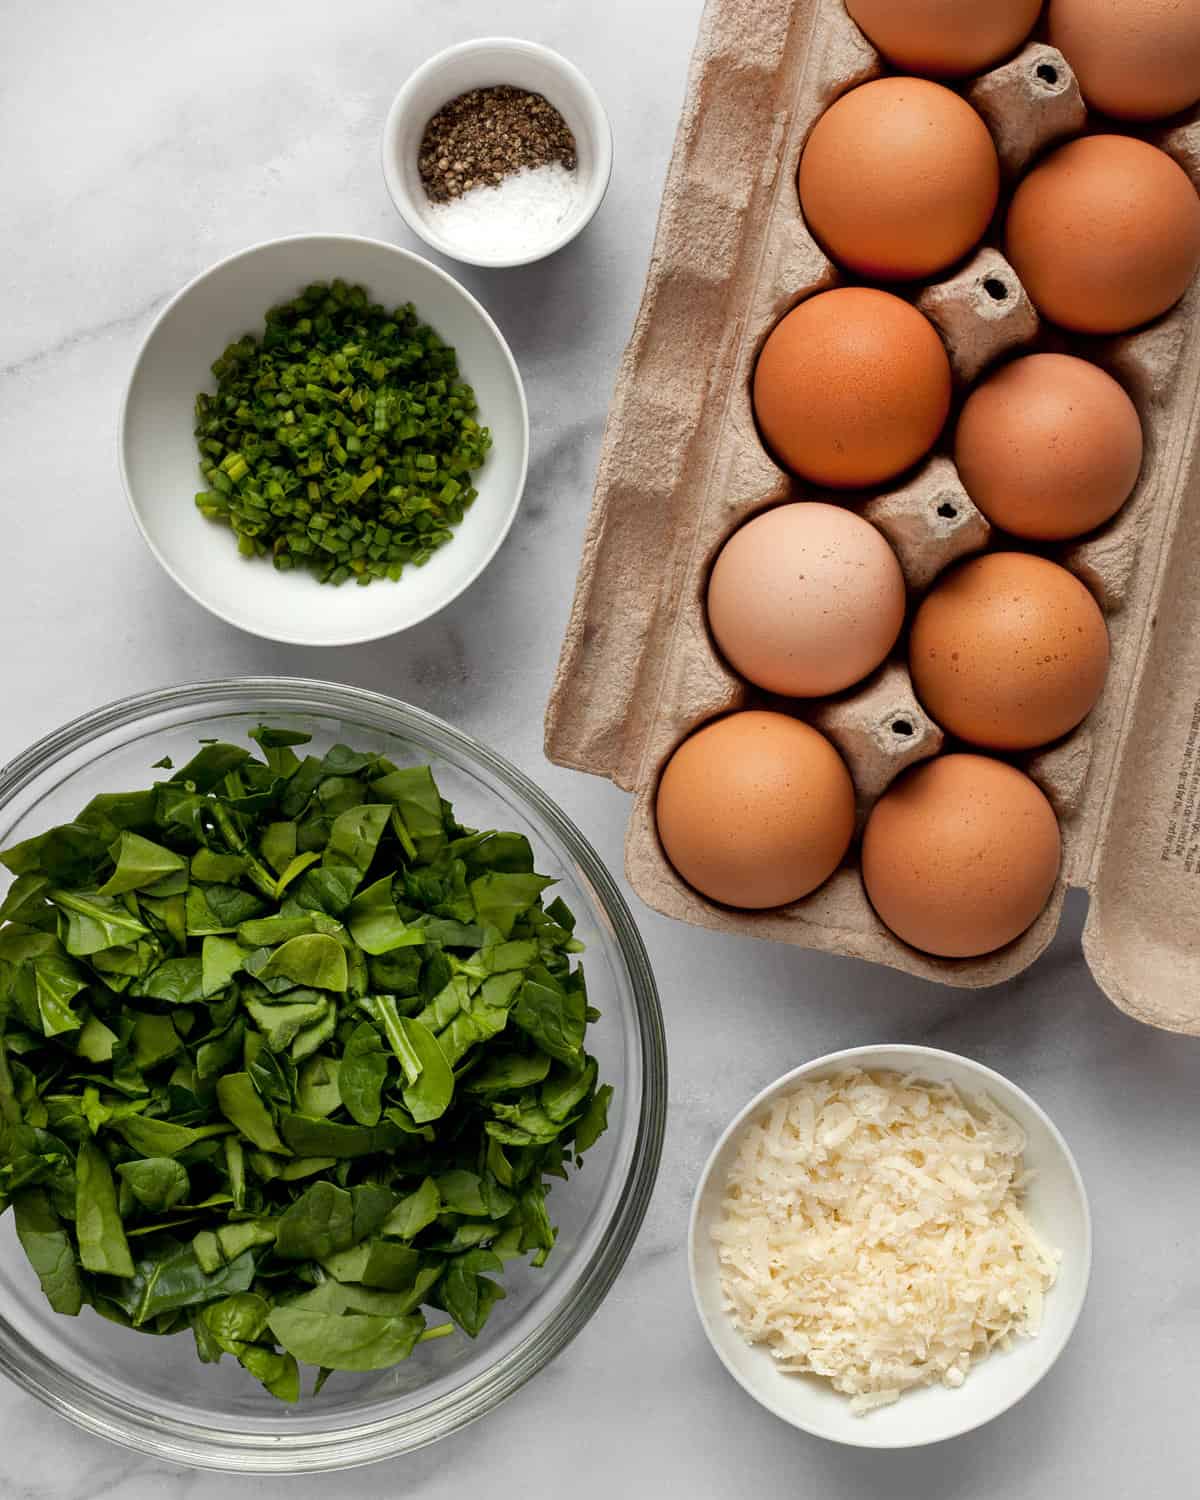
[{"x": 287, "y": 1056}]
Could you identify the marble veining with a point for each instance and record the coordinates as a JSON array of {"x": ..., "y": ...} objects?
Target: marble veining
[{"x": 148, "y": 140}]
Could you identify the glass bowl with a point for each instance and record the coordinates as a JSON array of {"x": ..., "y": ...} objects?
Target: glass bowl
[{"x": 155, "y": 1396}]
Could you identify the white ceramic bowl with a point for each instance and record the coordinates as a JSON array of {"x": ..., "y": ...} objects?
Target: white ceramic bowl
[
  {"x": 1057, "y": 1207},
  {"x": 160, "y": 468},
  {"x": 481, "y": 64}
]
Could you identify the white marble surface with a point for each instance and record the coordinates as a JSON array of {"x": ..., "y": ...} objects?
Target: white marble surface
[{"x": 147, "y": 139}]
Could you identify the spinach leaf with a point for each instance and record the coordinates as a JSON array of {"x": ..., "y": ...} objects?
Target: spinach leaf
[
  {"x": 501, "y": 897},
  {"x": 101, "y": 1235},
  {"x": 139, "y": 863},
  {"x": 168, "y": 1277},
  {"x": 307, "y": 1135},
  {"x": 278, "y": 1372},
  {"x": 67, "y": 855},
  {"x": 49, "y": 1248},
  {"x": 156, "y": 1182},
  {"x": 220, "y": 908},
  {"x": 329, "y": 889},
  {"x": 315, "y": 960},
  {"x": 594, "y": 1121},
  {"x": 212, "y": 868},
  {"x": 554, "y": 1014},
  {"x": 509, "y": 1072},
  {"x": 567, "y": 1088},
  {"x": 220, "y": 960},
  {"x": 278, "y": 845},
  {"x": 361, "y": 1342},
  {"x": 362, "y": 1074},
  {"x": 355, "y": 836},
  {"x": 270, "y": 932},
  {"x": 44, "y": 987},
  {"x": 375, "y": 923},
  {"x": 281, "y": 1024},
  {"x": 418, "y": 806},
  {"x": 326, "y": 1219},
  {"x": 239, "y": 1103},
  {"x": 164, "y": 1137},
  {"x": 25, "y": 901},
  {"x": 318, "y": 1088},
  {"x": 178, "y": 981},
  {"x": 95, "y": 922},
  {"x": 415, "y": 1212},
  {"x": 467, "y": 1295},
  {"x": 209, "y": 766}
]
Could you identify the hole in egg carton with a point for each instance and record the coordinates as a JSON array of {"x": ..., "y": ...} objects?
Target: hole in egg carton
[
  {"x": 930, "y": 522},
  {"x": 982, "y": 312},
  {"x": 1028, "y": 103},
  {"x": 880, "y": 729}
]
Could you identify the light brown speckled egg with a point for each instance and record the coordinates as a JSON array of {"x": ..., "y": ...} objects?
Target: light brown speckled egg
[
  {"x": 899, "y": 179},
  {"x": 1050, "y": 446},
  {"x": 1008, "y": 651},
  {"x": 1134, "y": 59},
  {"x": 806, "y": 599},
  {"x": 960, "y": 855},
  {"x": 1104, "y": 234},
  {"x": 755, "y": 810},
  {"x": 852, "y": 387}
]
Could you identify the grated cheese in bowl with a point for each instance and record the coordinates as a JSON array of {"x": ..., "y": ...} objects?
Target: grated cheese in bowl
[{"x": 871, "y": 1231}]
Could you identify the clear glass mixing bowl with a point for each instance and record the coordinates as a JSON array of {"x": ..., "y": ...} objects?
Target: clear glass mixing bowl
[{"x": 154, "y": 1395}]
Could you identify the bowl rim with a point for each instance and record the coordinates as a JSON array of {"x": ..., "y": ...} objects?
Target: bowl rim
[
  {"x": 324, "y": 638},
  {"x": 996, "y": 1084},
  {"x": 574, "y": 80},
  {"x": 175, "y": 1441}
]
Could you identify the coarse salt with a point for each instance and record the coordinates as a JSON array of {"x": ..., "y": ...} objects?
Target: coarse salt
[{"x": 517, "y": 217}]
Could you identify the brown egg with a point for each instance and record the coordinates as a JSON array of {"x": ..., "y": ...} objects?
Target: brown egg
[
  {"x": 852, "y": 387},
  {"x": 755, "y": 810},
  {"x": 945, "y": 38},
  {"x": 1135, "y": 59},
  {"x": 899, "y": 179},
  {"x": 806, "y": 599},
  {"x": 1049, "y": 447},
  {"x": 1105, "y": 234},
  {"x": 960, "y": 855},
  {"x": 1008, "y": 651}
]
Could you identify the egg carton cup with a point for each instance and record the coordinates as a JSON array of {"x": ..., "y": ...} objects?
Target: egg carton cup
[{"x": 683, "y": 466}]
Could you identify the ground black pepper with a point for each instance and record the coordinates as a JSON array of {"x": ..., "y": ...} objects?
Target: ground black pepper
[{"x": 486, "y": 135}]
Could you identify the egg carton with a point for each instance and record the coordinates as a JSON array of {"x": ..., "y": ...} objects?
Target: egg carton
[{"x": 683, "y": 466}]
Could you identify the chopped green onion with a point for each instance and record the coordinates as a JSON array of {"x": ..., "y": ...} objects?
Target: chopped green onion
[{"x": 342, "y": 442}]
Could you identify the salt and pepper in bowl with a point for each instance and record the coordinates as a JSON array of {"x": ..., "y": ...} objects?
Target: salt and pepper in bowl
[{"x": 497, "y": 152}]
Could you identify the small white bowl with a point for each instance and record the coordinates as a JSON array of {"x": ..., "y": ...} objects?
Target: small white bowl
[
  {"x": 481, "y": 64},
  {"x": 160, "y": 465},
  {"x": 1057, "y": 1207}
]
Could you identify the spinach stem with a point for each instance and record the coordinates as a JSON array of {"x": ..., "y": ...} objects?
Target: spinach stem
[
  {"x": 257, "y": 872},
  {"x": 438, "y": 1331}
]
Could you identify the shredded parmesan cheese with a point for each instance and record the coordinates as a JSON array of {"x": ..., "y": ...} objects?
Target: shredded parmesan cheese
[{"x": 871, "y": 1232}]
